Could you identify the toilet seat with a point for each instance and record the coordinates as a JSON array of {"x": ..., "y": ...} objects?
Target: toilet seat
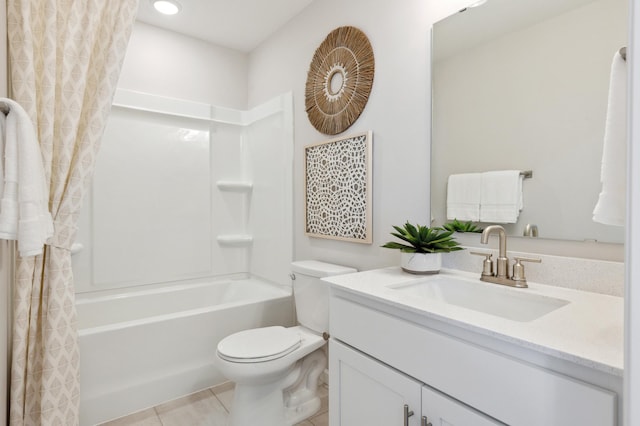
[{"x": 259, "y": 344}]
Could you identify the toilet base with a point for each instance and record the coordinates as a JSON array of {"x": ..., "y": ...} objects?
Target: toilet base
[
  {"x": 301, "y": 399},
  {"x": 286, "y": 401},
  {"x": 301, "y": 412},
  {"x": 253, "y": 405}
]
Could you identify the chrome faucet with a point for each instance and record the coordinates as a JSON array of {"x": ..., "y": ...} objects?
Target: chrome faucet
[{"x": 502, "y": 262}]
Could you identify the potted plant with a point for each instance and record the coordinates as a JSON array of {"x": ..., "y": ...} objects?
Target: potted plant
[
  {"x": 421, "y": 251},
  {"x": 458, "y": 226}
]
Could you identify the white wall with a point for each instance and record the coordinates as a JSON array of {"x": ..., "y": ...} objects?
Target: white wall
[
  {"x": 398, "y": 111},
  {"x": 169, "y": 64}
]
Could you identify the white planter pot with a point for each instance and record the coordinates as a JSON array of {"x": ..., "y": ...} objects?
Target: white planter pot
[{"x": 421, "y": 263}]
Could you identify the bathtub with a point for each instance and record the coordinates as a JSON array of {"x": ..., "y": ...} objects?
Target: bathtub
[{"x": 145, "y": 347}]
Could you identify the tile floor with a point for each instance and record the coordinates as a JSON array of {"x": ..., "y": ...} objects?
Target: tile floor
[{"x": 209, "y": 407}]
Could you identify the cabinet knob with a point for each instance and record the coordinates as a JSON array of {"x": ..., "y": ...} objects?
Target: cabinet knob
[
  {"x": 425, "y": 421},
  {"x": 407, "y": 414}
]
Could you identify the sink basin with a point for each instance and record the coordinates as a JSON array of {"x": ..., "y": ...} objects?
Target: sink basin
[{"x": 492, "y": 299}]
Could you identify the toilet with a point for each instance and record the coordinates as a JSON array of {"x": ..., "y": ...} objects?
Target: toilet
[{"x": 276, "y": 369}]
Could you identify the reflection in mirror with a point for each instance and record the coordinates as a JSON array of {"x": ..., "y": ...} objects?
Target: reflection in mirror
[{"x": 524, "y": 86}]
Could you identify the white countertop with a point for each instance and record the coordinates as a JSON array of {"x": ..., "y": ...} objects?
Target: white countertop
[{"x": 586, "y": 331}]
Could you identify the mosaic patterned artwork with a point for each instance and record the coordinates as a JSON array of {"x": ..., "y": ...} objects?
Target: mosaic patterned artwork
[{"x": 338, "y": 189}]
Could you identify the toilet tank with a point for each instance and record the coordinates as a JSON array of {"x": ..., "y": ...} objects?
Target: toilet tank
[{"x": 311, "y": 294}]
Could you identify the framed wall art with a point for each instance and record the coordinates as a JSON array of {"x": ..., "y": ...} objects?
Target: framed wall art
[{"x": 338, "y": 183}]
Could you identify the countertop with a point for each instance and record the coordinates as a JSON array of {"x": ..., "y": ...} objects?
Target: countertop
[{"x": 587, "y": 331}]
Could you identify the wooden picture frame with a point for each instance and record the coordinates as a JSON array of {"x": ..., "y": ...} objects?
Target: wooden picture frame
[{"x": 338, "y": 187}]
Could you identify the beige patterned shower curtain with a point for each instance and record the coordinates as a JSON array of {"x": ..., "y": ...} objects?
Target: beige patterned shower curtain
[{"x": 65, "y": 58}]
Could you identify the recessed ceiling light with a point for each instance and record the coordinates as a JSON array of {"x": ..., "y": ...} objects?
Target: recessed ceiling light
[{"x": 167, "y": 7}]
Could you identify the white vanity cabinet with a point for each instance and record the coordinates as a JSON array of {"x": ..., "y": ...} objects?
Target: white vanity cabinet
[
  {"x": 382, "y": 359},
  {"x": 439, "y": 410},
  {"x": 368, "y": 392},
  {"x": 371, "y": 393}
]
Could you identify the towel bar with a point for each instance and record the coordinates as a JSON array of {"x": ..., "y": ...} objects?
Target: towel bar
[{"x": 527, "y": 174}]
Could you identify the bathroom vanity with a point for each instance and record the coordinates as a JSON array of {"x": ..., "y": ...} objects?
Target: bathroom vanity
[{"x": 420, "y": 350}]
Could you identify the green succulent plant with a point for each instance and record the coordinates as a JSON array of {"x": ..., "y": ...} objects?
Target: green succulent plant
[
  {"x": 457, "y": 226},
  {"x": 422, "y": 239}
]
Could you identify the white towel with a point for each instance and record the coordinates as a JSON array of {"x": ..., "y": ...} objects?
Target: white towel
[
  {"x": 24, "y": 213},
  {"x": 501, "y": 196},
  {"x": 611, "y": 206},
  {"x": 463, "y": 197},
  {"x": 3, "y": 127}
]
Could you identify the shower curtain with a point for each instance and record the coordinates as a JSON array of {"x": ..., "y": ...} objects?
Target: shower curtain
[{"x": 65, "y": 58}]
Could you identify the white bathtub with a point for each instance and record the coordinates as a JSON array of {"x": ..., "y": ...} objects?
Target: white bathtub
[{"x": 145, "y": 347}]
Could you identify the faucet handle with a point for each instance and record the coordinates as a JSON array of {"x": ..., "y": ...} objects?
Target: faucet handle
[
  {"x": 487, "y": 263},
  {"x": 518, "y": 268},
  {"x": 527, "y": 259}
]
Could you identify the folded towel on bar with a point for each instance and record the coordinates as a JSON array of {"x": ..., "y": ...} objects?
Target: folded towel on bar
[
  {"x": 24, "y": 193},
  {"x": 501, "y": 196},
  {"x": 611, "y": 206},
  {"x": 463, "y": 197}
]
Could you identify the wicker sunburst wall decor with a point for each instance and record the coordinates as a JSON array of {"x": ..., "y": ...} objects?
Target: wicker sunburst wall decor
[{"x": 339, "y": 80}]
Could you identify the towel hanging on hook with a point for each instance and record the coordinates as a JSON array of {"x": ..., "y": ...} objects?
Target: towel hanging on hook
[{"x": 24, "y": 204}]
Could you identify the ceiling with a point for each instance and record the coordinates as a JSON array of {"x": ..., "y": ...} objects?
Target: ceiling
[{"x": 237, "y": 24}]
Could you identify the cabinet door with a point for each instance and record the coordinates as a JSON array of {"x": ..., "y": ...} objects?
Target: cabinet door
[
  {"x": 363, "y": 391},
  {"x": 441, "y": 410}
]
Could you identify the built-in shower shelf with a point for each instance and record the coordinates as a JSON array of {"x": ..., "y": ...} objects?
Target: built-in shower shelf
[
  {"x": 234, "y": 185},
  {"x": 235, "y": 240}
]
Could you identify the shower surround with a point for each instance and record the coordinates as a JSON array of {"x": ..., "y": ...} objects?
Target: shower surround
[{"x": 188, "y": 198}]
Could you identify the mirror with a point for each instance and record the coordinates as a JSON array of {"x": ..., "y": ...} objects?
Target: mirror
[{"x": 524, "y": 85}]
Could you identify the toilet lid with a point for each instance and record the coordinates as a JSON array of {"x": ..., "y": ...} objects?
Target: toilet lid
[{"x": 259, "y": 344}]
